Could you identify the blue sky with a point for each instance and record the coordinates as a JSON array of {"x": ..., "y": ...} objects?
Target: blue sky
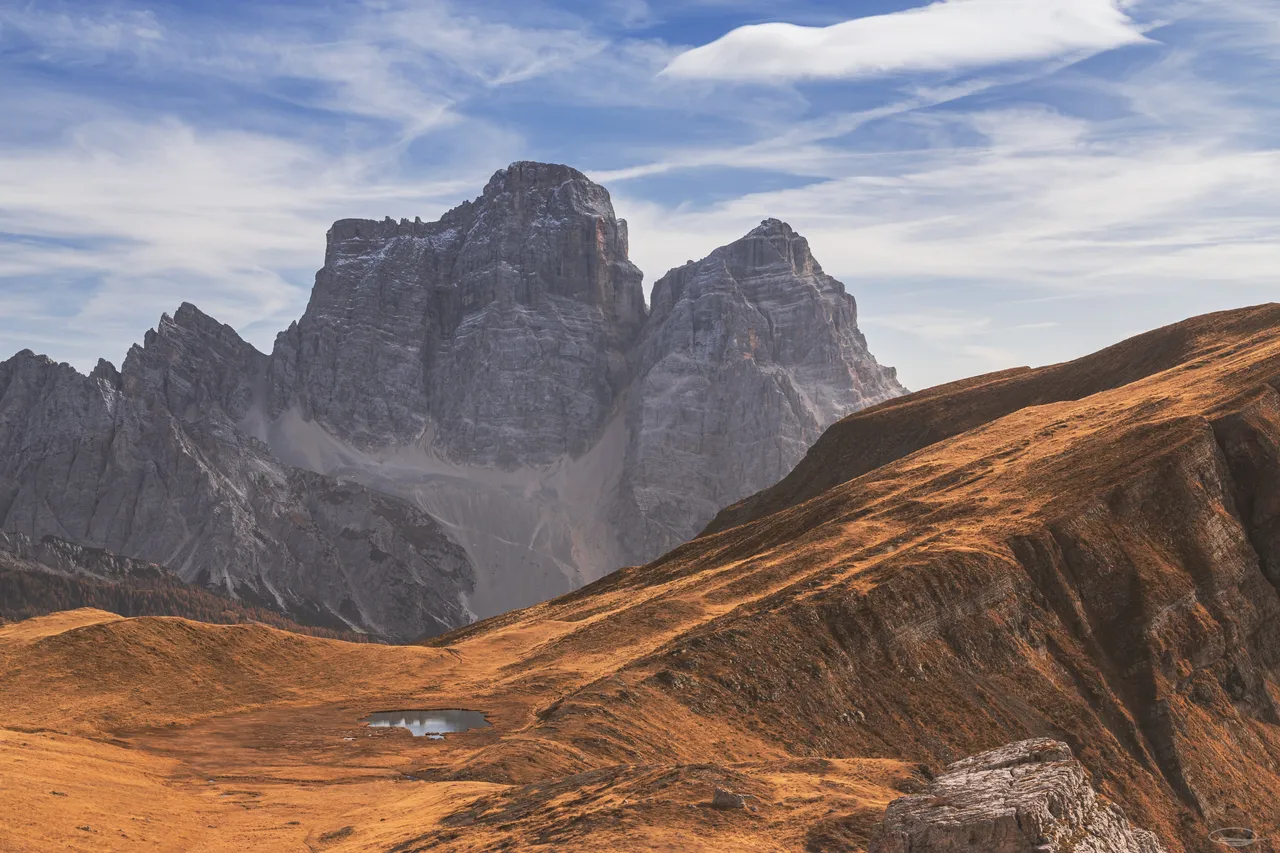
[{"x": 999, "y": 182}]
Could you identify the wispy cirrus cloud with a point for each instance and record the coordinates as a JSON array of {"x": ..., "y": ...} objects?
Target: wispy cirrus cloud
[
  {"x": 1047, "y": 216},
  {"x": 993, "y": 188},
  {"x": 169, "y": 159}
]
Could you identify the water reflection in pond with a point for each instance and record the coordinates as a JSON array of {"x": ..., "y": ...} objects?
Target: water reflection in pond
[{"x": 432, "y": 724}]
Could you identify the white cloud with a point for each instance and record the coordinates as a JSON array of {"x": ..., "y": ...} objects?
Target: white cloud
[
  {"x": 1074, "y": 216},
  {"x": 1066, "y": 206},
  {"x": 120, "y": 212},
  {"x": 1079, "y": 231},
  {"x": 947, "y": 35},
  {"x": 409, "y": 63},
  {"x": 155, "y": 214},
  {"x": 81, "y": 35}
]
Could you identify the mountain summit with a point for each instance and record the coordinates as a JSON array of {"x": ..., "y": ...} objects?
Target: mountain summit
[
  {"x": 501, "y": 328},
  {"x": 521, "y": 423},
  {"x": 748, "y": 355}
]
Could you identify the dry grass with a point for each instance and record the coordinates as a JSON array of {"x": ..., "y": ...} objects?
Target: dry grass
[{"x": 1080, "y": 551}]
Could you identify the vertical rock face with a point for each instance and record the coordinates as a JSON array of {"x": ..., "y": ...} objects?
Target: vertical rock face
[
  {"x": 471, "y": 365},
  {"x": 748, "y": 356},
  {"x": 149, "y": 463},
  {"x": 501, "y": 330},
  {"x": 498, "y": 368},
  {"x": 1024, "y": 797},
  {"x": 51, "y": 554},
  {"x": 518, "y": 422}
]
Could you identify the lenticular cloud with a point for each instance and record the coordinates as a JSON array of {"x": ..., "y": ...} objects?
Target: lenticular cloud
[{"x": 948, "y": 35}]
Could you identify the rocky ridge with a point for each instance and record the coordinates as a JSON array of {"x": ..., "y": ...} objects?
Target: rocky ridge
[
  {"x": 1099, "y": 569},
  {"x": 148, "y": 463},
  {"x": 499, "y": 368},
  {"x": 518, "y": 422},
  {"x": 50, "y": 575},
  {"x": 57, "y": 556}
]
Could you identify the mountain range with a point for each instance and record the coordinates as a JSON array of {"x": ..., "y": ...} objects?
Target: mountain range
[
  {"x": 472, "y": 415},
  {"x": 1037, "y": 610}
]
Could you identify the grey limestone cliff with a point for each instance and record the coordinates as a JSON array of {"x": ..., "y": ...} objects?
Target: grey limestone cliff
[
  {"x": 499, "y": 368},
  {"x": 517, "y": 420},
  {"x": 499, "y": 331},
  {"x": 148, "y": 463},
  {"x": 1027, "y": 797},
  {"x": 748, "y": 355}
]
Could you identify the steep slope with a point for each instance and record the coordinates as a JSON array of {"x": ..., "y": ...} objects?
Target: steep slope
[
  {"x": 1100, "y": 570},
  {"x": 499, "y": 369},
  {"x": 148, "y": 463},
  {"x": 878, "y": 436}
]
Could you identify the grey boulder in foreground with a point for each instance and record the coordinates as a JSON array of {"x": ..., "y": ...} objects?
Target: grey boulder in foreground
[{"x": 1027, "y": 796}]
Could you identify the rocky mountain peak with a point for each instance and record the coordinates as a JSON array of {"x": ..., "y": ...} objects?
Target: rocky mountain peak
[
  {"x": 192, "y": 362},
  {"x": 106, "y": 371},
  {"x": 776, "y": 231},
  {"x": 498, "y": 370},
  {"x": 415, "y": 327},
  {"x": 748, "y": 355},
  {"x": 526, "y": 176},
  {"x": 773, "y": 242},
  {"x": 545, "y": 190}
]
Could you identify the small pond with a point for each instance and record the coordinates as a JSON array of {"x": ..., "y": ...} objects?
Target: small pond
[{"x": 432, "y": 724}]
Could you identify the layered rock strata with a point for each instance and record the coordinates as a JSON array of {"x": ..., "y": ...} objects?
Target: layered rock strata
[
  {"x": 518, "y": 422},
  {"x": 147, "y": 462},
  {"x": 499, "y": 369},
  {"x": 1028, "y": 796},
  {"x": 748, "y": 355}
]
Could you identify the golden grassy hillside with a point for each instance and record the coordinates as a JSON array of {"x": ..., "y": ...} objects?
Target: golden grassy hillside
[{"x": 1090, "y": 551}]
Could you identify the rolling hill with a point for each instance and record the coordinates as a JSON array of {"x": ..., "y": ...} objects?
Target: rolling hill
[{"x": 1088, "y": 552}]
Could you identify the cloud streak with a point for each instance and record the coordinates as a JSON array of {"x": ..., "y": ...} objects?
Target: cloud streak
[
  {"x": 1036, "y": 209},
  {"x": 945, "y": 36},
  {"x": 131, "y": 206}
]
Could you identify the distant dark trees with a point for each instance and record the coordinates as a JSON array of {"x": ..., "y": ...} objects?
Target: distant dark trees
[{"x": 24, "y": 594}]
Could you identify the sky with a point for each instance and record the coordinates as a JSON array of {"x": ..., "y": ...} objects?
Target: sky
[{"x": 998, "y": 182}]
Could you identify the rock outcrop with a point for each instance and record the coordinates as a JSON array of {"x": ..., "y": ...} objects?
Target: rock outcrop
[
  {"x": 748, "y": 355},
  {"x": 1024, "y": 797},
  {"x": 58, "y": 556},
  {"x": 148, "y": 463},
  {"x": 48, "y": 575},
  {"x": 517, "y": 421}
]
